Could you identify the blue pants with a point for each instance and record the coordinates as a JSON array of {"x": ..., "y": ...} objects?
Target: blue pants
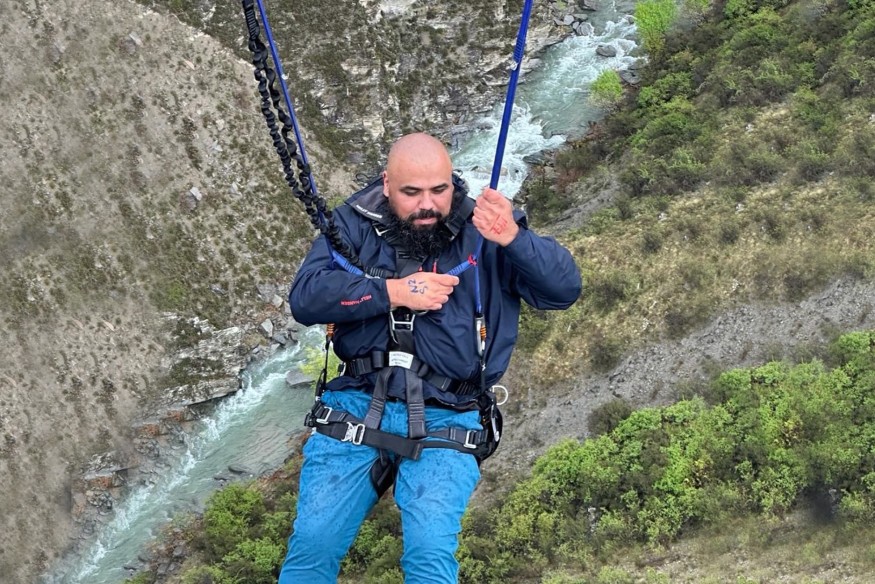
[{"x": 336, "y": 495}]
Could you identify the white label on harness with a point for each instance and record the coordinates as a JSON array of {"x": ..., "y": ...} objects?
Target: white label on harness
[{"x": 400, "y": 359}]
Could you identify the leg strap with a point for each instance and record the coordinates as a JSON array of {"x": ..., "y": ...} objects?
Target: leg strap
[{"x": 346, "y": 428}]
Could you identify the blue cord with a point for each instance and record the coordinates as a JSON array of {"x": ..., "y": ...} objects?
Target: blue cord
[
  {"x": 279, "y": 70},
  {"x": 511, "y": 93},
  {"x": 519, "y": 49}
]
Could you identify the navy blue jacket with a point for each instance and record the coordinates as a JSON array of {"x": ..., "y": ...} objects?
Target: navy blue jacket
[{"x": 532, "y": 268}]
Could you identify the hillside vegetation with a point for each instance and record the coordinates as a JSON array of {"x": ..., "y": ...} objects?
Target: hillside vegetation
[{"x": 741, "y": 170}]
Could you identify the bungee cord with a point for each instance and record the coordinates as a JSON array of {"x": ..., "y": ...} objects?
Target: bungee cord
[{"x": 301, "y": 183}]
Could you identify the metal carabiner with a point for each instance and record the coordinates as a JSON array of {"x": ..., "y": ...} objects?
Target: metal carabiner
[{"x": 506, "y": 394}]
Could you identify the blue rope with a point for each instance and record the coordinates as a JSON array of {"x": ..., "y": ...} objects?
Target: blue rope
[
  {"x": 519, "y": 49},
  {"x": 511, "y": 93},
  {"x": 282, "y": 76}
]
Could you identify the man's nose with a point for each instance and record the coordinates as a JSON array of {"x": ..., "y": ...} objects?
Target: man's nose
[{"x": 426, "y": 201}]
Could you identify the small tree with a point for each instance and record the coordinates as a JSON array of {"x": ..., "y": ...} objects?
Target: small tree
[
  {"x": 653, "y": 18},
  {"x": 607, "y": 89}
]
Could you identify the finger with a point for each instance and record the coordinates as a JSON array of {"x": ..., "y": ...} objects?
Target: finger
[
  {"x": 447, "y": 280},
  {"x": 490, "y": 194}
]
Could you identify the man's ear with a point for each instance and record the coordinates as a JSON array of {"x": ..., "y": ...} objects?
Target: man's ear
[{"x": 385, "y": 184}]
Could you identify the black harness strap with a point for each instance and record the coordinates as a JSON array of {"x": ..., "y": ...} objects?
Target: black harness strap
[
  {"x": 378, "y": 399},
  {"x": 347, "y": 428},
  {"x": 377, "y": 360},
  {"x": 415, "y": 405}
]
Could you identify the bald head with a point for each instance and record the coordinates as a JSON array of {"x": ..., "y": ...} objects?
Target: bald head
[
  {"x": 419, "y": 179},
  {"x": 417, "y": 150}
]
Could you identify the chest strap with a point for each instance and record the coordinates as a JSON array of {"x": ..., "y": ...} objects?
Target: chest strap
[
  {"x": 347, "y": 428},
  {"x": 378, "y": 360}
]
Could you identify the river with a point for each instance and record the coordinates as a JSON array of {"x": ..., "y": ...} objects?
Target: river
[{"x": 253, "y": 427}]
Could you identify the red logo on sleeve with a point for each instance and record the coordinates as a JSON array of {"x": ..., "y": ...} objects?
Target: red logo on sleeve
[{"x": 364, "y": 298}]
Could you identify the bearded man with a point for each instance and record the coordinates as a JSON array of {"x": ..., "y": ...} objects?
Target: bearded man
[{"x": 406, "y": 409}]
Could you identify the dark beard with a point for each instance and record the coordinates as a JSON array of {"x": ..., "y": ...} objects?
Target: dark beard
[{"x": 427, "y": 241}]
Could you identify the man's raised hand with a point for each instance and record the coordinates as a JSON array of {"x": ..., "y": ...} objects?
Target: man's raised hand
[{"x": 493, "y": 217}]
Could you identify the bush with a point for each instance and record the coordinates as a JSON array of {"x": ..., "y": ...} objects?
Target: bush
[
  {"x": 729, "y": 232},
  {"x": 230, "y": 515},
  {"x": 255, "y": 561},
  {"x": 208, "y": 575},
  {"x": 677, "y": 84},
  {"x": 607, "y": 289},
  {"x": 654, "y": 18},
  {"x": 605, "y": 352},
  {"x": 651, "y": 242},
  {"x": 607, "y": 89},
  {"x": 811, "y": 161},
  {"x": 775, "y": 432},
  {"x": 747, "y": 162},
  {"x": 674, "y": 124},
  {"x": 606, "y": 417}
]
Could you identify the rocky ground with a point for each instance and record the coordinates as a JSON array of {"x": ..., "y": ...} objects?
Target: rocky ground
[
  {"x": 133, "y": 163},
  {"x": 537, "y": 417}
]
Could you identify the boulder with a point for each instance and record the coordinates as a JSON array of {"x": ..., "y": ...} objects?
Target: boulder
[{"x": 606, "y": 51}]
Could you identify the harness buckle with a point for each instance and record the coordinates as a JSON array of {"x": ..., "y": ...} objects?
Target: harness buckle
[
  {"x": 323, "y": 418},
  {"x": 354, "y": 433},
  {"x": 400, "y": 324},
  {"x": 469, "y": 439}
]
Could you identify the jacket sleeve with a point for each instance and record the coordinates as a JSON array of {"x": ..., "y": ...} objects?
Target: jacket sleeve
[
  {"x": 543, "y": 272},
  {"x": 323, "y": 292}
]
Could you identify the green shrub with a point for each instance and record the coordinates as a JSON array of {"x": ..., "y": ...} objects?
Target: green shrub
[
  {"x": 662, "y": 90},
  {"x": 611, "y": 575},
  {"x": 653, "y": 19},
  {"x": 605, "y": 352},
  {"x": 747, "y": 162},
  {"x": 606, "y": 417},
  {"x": 230, "y": 515},
  {"x": 255, "y": 561},
  {"x": 673, "y": 124},
  {"x": 773, "y": 433},
  {"x": 651, "y": 242},
  {"x": 607, "y": 289},
  {"x": 729, "y": 232},
  {"x": 208, "y": 575},
  {"x": 760, "y": 39},
  {"x": 607, "y": 89}
]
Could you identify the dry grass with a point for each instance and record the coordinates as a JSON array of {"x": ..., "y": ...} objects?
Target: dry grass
[{"x": 789, "y": 241}]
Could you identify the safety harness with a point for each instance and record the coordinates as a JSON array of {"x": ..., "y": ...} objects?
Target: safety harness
[{"x": 401, "y": 356}]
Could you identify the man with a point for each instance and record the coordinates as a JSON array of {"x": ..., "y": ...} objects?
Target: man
[{"x": 411, "y": 345}]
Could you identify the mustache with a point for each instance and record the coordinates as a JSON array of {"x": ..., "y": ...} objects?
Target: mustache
[{"x": 425, "y": 214}]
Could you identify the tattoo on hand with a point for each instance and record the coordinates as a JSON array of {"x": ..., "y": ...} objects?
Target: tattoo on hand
[
  {"x": 417, "y": 287},
  {"x": 498, "y": 226}
]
